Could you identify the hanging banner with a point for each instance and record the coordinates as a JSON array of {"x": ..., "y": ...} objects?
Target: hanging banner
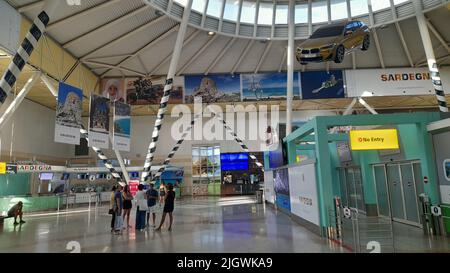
[
  {"x": 322, "y": 84},
  {"x": 122, "y": 126},
  {"x": 213, "y": 88},
  {"x": 99, "y": 122},
  {"x": 113, "y": 89},
  {"x": 267, "y": 86},
  {"x": 149, "y": 90},
  {"x": 68, "y": 114}
]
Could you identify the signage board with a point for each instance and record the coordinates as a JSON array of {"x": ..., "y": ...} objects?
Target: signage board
[
  {"x": 2, "y": 167},
  {"x": 11, "y": 168},
  {"x": 133, "y": 184},
  {"x": 382, "y": 139},
  {"x": 39, "y": 168}
]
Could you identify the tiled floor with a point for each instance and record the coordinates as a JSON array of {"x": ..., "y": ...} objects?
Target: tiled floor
[{"x": 201, "y": 225}]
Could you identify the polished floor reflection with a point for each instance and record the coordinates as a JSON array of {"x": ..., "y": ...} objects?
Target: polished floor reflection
[{"x": 234, "y": 224}]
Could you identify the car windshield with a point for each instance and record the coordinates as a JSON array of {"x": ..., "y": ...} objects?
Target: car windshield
[{"x": 328, "y": 31}]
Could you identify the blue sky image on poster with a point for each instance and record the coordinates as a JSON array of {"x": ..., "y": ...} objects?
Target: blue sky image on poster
[
  {"x": 69, "y": 107},
  {"x": 213, "y": 88},
  {"x": 267, "y": 86},
  {"x": 322, "y": 84},
  {"x": 122, "y": 119}
]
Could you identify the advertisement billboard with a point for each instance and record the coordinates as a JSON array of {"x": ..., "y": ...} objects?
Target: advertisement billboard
[
  {"x": 213, "y": 88},
  {"x": 322, "y": 84},
  {"x": 99, "y": 122},
  {"x": 68, "y": 114}
]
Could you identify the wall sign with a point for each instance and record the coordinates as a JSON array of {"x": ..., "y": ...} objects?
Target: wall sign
[
  {"x": 2, "y": 167},
  {"x": 384, "y": 139},
  {"x": 446, "y": 164}
]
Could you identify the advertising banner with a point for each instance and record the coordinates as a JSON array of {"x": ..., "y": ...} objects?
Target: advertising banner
[
  {"x": 99, "y": 122},
  {"x": 303, "y": 193},
  {"x": 149, "y": 90},
  {"x": 113, "y": 89},
  {"x": 322, "y": 84},
  {"x": 122, "y": 126},
  {"x": 384, "y": 139},
  {"x": 392, "y": 82},
  {"x": 267, "y": 86},
  {"x": 68, "y": 114},
  {"x": 213, "y": 88},
  {"x": 269, "y": 193}
]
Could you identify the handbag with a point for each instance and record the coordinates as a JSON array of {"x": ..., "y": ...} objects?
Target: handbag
[{"x": 111, "y": 211}]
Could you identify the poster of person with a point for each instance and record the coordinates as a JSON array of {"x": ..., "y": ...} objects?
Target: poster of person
[
  {"x": 145, "y": 91},
  {"x": 113, "y": 89},
  {"x": 122, "y": 126},
  {"x": 99, "y": 122},
  {"x": 322, "y": 84},
  {"x": 267, "y": 86},
  {"x": 213, "y": 88},
  {"x": 68, "y": 114}
]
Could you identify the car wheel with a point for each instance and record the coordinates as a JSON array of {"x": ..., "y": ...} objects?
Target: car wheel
[
  {"x": 339, "y": 56},
  {"x": 366, "y": 43}
]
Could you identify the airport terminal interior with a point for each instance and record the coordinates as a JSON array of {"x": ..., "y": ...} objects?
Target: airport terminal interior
[{"x": 224, "y": 126}]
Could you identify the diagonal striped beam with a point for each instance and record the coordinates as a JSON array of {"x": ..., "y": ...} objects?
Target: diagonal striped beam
[{"x": 26, "y": 49}]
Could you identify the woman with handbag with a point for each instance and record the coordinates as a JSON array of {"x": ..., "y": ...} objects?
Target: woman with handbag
[{"x": 141, "y": 208}]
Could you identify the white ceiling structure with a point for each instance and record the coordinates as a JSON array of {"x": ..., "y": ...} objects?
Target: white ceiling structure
[{"x": 118, "y": 38}]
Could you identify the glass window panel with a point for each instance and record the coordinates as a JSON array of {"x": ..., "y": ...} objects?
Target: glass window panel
[
  {"x": 281, "y": 15},
  {"x": 396, "y": 2},
  {"x": 319, "y": 12},
  {"x": 301, "y": 14},
  {"x": 359, "y": 7},
  {"x": 214, "y": 8},
  {"x": 248, "y": 12},
  {"x": 380, "y": 4},
  {"x": 198, "y": 5},
  {"x": 338, "y": 9},
  {"x": 181, "y": 2},
  {"x": 265, "y": 14},
  {"x": 231, "y": 10}
]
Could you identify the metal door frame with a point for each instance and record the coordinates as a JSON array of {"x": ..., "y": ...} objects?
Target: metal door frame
[
  {"x": 354, "y": 185},
  {"x": 415, "y": 190}
]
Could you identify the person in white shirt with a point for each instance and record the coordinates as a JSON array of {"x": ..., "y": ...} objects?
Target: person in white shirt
[{"x": 141, "y": 208}]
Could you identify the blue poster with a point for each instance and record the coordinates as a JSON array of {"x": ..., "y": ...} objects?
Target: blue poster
[
  {"x": 322, "y": 84},
  {"x": 268, "y": 86},
  {"x": 213, "y": 88}
]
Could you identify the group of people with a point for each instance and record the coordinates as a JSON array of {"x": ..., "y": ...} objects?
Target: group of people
[{"x": 146, "y": 201}]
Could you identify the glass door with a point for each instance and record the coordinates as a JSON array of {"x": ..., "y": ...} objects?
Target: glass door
[
  {"x": 352, "y": 191},
  {"x": 409, "y": 193},
  {"x": 381, "y": 190},
  {"x": 206, "y": 171},
  {"x": 395, "y": 191}
]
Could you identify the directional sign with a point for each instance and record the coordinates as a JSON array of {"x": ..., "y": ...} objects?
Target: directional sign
[
  {"x": 92, "y": 177},
  {"x": 436, "y": 210},
  {"x": 2, "y": 167}
]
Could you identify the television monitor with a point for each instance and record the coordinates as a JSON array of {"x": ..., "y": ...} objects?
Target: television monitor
[
  {"x": 234, "y": 162},
  {"x": 46, "y": 176}
]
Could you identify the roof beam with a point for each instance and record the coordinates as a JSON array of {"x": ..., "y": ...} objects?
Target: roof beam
[
  {"x": 263, "y": 57},
  {"x": 30, "y": 6},
  {"x": 197, "y": 54},
  {"x": 108, "y": 57},
  {"x": 124, "y": 37},
  {"x": 438, "y": 36},
  {"x": 405, "y": 46},
  {"x": 144, "y": 48},
  {"x": 283, "y": 60},
  {"x": 167, "y": 58},
  {"x": 221, "y": 54},
  {"x": 121, "y": 69},
  {"x": 378, "y": 46},
  {"x": 81, "y": 13},
  {"x": 243, "y": 54},
  {"x": 106, "y": 25}
]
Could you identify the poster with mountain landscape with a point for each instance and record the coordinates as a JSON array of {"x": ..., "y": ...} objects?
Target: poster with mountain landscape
[
  {"x": 68, "y": 114},
  {"x": 213, "y": 88},
  {"x": 99, "y": 122}
]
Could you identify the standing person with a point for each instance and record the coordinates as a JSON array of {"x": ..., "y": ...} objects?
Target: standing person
[
  {"x": 112, "y": 211},
  {"x": 16, "y": 210},
  {"x": 127, "y": 204},
  {"x": 152, "y": 196},
  {"x": 168, "y": 207},
  {"x": 162, "y": 193},
  {"x": 141, "y": 208},
  {"x": 118, "y": 207}
]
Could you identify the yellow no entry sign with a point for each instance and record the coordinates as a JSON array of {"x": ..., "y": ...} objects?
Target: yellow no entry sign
[
  {"x": 383, "y": 139},
  {"x": 2, "y": 167}
]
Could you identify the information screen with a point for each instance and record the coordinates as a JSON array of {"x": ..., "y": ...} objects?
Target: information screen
[
  {"x": 234, "y": 162},
  {"x": 46, "y": 176}
]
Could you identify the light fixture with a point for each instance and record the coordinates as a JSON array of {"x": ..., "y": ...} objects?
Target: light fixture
[{"x": 211, "y": 33}]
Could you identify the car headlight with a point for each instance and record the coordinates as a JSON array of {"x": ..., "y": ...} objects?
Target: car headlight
[{"x": 328, "y": 46}]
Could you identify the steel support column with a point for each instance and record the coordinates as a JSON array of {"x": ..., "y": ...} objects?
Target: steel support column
[{"x": 290, "y": 66}]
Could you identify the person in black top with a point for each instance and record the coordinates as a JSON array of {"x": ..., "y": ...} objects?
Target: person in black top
[{"x": 169, "y": 201}]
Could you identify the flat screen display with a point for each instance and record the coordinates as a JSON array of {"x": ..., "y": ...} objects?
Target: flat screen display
[
  {"x": 46, "y": 176},
  {"x": 234, "y": 162}
]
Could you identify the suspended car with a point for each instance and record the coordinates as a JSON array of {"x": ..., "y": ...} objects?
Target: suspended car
[{"x": 332, "y": 42}]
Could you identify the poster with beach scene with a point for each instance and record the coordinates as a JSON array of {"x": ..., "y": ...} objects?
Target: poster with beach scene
[
  {"x": 267, "y": 86},
  {"x": 99, "y": 122},
  {"x": 122, "y": 126},
  {"x": 68, "y": 114},
  {"x": 213, "y": 88}
]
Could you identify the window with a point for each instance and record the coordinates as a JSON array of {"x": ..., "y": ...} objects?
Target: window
[
  {"x": 231, "y": 10},
  {"x": 338, "y": 9},
  {"x": 396, "y": 2},
  {"x": 206, "y": 170},
  {"x": 248, "y": 12},
  {"x": 281, "y": 15},
  {"x": 328, "y": 31},
  {"x": 301, "y": 14},
  {"x": 319, "y": 12},
  {"x": 359, "y": 7},
  {"x": 380, "y": 4},
  {"x": 265, "y": 14},
  {"x": 214, "y": 8},
  {"x": 198, "y": 5},
  {"x": 182, "y": 2}
]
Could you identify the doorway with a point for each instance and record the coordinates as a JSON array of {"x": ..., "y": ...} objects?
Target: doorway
[
  {"x": 352, "y": 192},
  {"x": 398, "y": 186}
]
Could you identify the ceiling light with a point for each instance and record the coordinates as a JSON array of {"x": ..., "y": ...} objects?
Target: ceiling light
[{"x": 211, "y": 33}]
